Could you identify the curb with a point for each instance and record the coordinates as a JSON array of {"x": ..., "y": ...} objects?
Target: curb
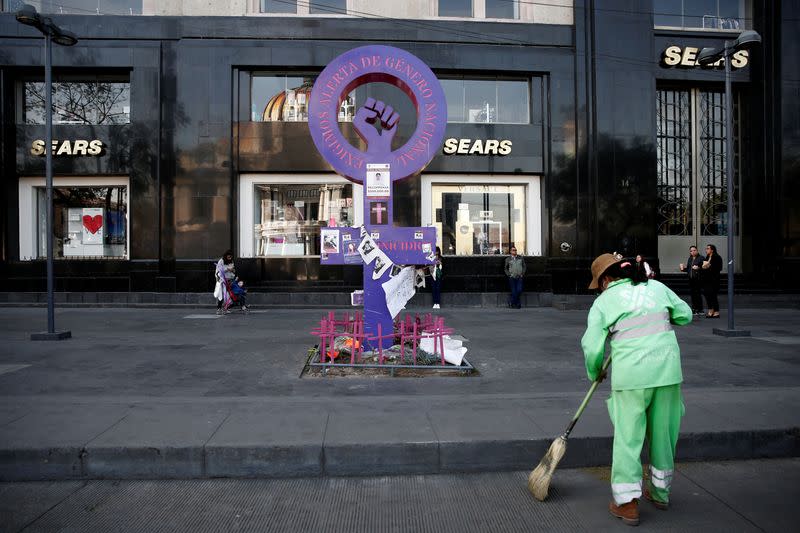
[{"x": 357, "y": 459}]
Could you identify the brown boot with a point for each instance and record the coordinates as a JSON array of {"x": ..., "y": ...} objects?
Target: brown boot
[
  {"x": 628, "y": 512},
  {"x": 661, "y": 506}
]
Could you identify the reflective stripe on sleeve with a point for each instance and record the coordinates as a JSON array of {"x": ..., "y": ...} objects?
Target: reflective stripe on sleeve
[
  {"x": 661, "y": 479},
  {"x": 625, "y": 492}
]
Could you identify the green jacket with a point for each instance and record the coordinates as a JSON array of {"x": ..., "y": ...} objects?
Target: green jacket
[
  {"x": 639, "y": 318},
  {"x": 515, "y": 266}
]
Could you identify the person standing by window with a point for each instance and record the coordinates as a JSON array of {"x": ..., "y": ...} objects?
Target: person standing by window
[
  {"x": 515, "y": 271},
  {"x": 692, "y": 267},
  {"x": 712, "y": 266}
]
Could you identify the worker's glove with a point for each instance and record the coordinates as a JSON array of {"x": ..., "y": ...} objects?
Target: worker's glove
[{"x": 602, "y": 375}]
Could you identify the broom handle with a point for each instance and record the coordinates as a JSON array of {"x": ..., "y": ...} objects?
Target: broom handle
[{"x": 588, "y": 397}]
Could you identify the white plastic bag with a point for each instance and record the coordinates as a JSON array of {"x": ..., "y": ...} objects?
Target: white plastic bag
[{"x": 454, "y": 350}]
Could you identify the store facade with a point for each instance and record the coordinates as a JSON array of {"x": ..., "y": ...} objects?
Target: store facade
[{"x": 179, "y": 137}]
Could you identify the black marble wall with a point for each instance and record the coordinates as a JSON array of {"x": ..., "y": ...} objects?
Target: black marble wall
[
  {"x": 783, "y": 83},
  {"x": 623, "y": 166},
  {"x": 131, "y": 150},
  {"x": 591, "y": 137}
]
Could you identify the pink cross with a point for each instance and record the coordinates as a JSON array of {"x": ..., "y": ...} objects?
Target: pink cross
[{"x": 378, "y": 209}]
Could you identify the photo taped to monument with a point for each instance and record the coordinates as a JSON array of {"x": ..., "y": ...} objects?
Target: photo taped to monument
[
  {"x": 378, "y": 214},
  {"x": 368, "y": 250},
  {"x": 330, "y": 241},
  {"x": 382, "y": 264}
]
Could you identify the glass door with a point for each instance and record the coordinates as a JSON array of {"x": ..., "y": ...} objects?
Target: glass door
[{"x": 692, "y": 188}]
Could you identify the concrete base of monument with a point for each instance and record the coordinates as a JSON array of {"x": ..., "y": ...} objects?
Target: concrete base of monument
[
  {"x": 389, "y": 364},
  {"x": 421, "y": 345},
  {"x": 323, "y": 370}
]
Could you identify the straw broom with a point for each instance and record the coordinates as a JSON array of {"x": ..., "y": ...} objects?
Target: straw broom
[{"x": 539, "y": 479}]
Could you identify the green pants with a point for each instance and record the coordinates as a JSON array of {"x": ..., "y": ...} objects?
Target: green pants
[{"x": 653, "y": 413}]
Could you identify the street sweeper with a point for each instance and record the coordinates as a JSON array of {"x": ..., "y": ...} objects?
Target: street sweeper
[{"x": 638, "y": 316}]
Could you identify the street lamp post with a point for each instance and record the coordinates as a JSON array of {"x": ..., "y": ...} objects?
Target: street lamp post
[
  {"x": 52, "y": 34},
  {"x": 708, "y": 56}
]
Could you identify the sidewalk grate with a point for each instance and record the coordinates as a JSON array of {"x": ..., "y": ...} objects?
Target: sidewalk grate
[{"x": 491, "y": 502}]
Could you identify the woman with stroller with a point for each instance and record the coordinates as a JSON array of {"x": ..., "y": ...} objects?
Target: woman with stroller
[{"x": 229, "y": 289}]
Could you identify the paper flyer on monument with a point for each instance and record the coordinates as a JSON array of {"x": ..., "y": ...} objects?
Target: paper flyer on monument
[
  {"x": 369, "y": 251},
  {"x": 379, "y": 183},
  {"x": 399, "y": 290}
]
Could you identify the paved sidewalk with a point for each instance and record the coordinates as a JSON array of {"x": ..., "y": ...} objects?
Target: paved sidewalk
[
  {"x": 759, "y": 495},
  {"x": 175, "y": 393}
]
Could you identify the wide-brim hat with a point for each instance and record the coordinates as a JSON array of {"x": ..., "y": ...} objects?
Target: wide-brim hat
[{"x": 600, "y": 265}]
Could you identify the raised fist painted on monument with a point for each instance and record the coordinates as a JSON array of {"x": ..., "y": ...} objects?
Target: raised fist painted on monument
[{"x": 378, "y": 142}]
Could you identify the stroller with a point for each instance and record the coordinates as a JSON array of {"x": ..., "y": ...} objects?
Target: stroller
[{"x": 229, "y": 292}]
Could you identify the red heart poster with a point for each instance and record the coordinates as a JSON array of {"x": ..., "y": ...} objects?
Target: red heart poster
[{"x": 93, "y": 223}]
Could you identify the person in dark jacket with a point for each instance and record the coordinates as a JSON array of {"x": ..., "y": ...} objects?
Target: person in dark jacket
[
  {"x": 645, "y": 267},
  {"x": 692, "y": 267},
  {"x": 712, "y": 266}
]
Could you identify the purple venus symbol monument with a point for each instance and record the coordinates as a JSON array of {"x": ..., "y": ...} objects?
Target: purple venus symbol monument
[{"x": 380, "y": 243}]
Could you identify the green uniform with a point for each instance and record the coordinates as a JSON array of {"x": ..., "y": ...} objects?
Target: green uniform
[{"x": 645, "y": 380}]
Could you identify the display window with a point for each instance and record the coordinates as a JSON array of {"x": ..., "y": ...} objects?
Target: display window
[
  {"x": 90, "y": 218},
  {"x": 283, "y": 216},
  {"x": 479, "y": 216}
]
